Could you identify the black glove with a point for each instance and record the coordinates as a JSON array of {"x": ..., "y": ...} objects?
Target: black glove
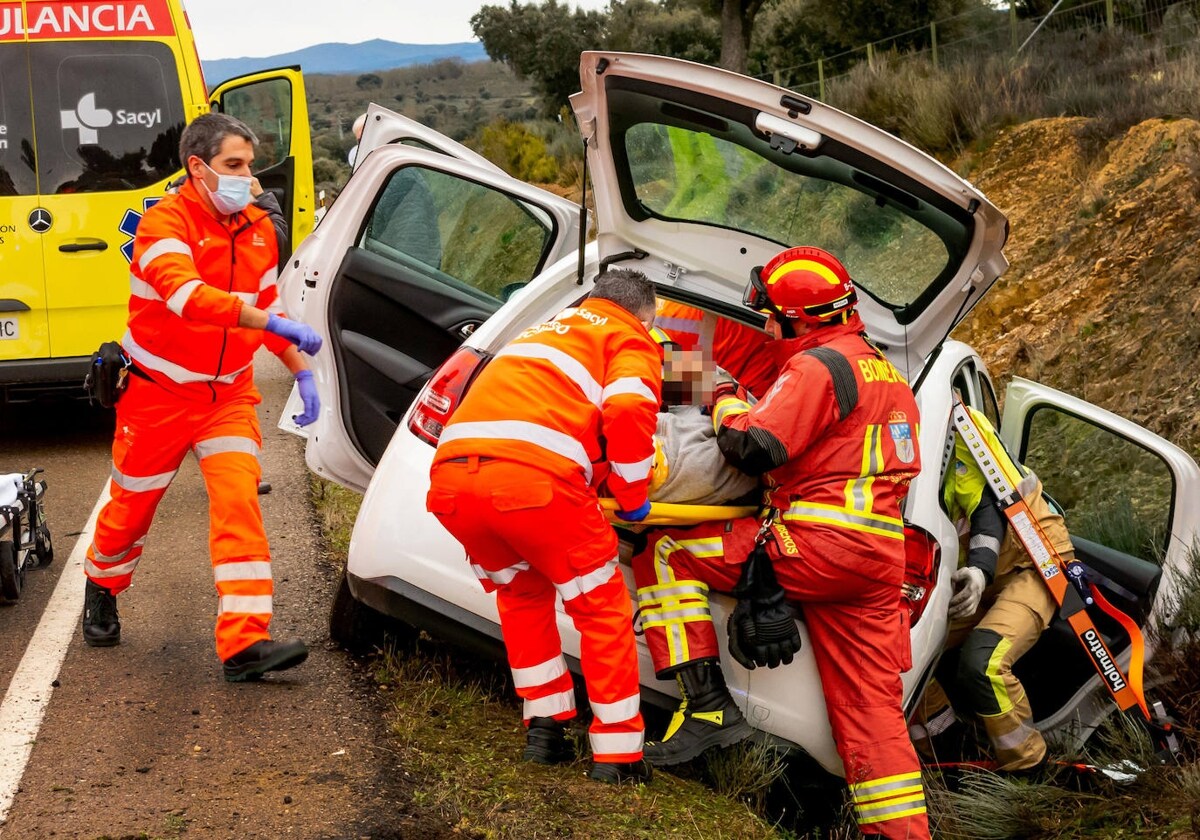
[{"x": 762, "y": 627}]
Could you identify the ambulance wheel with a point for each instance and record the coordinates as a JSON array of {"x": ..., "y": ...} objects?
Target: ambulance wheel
[
  {"x": 10, "y": 575},
  {"x": 43, "y": 545}
]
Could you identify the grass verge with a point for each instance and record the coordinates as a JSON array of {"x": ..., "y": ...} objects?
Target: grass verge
[{"x": 457, "y": 726}]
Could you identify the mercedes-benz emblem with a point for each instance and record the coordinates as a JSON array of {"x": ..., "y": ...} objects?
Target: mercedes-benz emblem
[{"x": 40, "y": 220}]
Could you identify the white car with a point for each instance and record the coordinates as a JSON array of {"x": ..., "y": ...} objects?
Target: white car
[{"x": 432, "y": 258}]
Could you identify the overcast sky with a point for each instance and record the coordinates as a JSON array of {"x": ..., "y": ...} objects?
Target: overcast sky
[{"x": 238, "y": 28}]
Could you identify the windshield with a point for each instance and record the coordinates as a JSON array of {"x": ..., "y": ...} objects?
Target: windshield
[{"x": 704, "y": 163}]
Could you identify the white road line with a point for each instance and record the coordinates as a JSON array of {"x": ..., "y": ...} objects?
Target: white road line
[{"x": 24, "y": 704}]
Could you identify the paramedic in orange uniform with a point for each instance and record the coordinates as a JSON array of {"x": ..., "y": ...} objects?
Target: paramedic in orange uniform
[
  {"x": 566, "y": 405},
  {"x": 835, "y": 441},
  {"x": 202, "y": 300}
]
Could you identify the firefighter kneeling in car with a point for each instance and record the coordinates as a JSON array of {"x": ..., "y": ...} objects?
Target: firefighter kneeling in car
[
  {"x": 999, "y": 609},
  {"x": 837, "y": 449}
]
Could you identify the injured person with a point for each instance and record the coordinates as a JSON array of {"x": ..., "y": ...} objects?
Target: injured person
[{"x": 689, "y": 469}]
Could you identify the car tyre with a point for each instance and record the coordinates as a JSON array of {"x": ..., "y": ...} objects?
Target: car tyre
[
  {"x": 355, "y": 627},
  {"x": 11, "y": 575}
]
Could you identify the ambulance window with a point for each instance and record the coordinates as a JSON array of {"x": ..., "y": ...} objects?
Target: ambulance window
[
  {"x": 266, "y": 107},
  {"x": 109, "y": 114},
  {"x": 17, "y": 175}
]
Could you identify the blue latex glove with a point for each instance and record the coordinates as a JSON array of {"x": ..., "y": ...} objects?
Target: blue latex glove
[
  {"x": 308, "y": 393},
  {"x": 637, "y": 514},
  {"x": 302, "y": 335}
]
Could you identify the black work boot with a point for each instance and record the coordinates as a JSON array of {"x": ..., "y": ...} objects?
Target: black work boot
[
  {"x": 101, "y": 624},
  {"x": 546, "y": 742},
  {"x": 706, "y": 718},
  {"x": 638, "y": 772},
  {"x": 262, "y": 656}
]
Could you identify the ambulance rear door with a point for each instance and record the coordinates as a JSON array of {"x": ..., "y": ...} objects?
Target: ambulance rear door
[
  {"x": 24, "y": 333},
  {"x": 273, "y": 104}
]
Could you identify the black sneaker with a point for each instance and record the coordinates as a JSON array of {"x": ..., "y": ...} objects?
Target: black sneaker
[
  {"x": 546, "y": 742},
  {"x": 262, "y": 656},
  {"x": 101, "y": 624},
  {"x": 638, "y": 772}
]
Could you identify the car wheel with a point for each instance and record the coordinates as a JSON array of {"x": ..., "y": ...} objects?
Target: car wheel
[
  {"x": 353, "y": 625},
  {"x": 43, "y": 545},
  {"x": 10, "y": 575}
]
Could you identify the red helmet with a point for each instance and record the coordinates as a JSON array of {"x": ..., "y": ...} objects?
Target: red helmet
[{"x": 807, "y": 284}]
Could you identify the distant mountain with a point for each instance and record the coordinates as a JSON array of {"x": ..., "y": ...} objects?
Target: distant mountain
[{"x": 369, "y": 56}]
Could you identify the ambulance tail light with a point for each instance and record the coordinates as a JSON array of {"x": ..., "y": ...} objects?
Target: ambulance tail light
[{"x": 443, "y": 393}]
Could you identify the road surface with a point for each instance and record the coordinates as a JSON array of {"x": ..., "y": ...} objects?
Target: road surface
[{"x": 146, "y": 739}]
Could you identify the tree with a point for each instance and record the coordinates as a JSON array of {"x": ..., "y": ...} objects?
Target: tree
[
  {"x": 737, "y": 25},
  {"x": 541, "y": 43},
  {"x": 677, "y": 30}
]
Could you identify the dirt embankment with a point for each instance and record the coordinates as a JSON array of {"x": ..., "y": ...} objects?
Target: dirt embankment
[{"x": 1102, "y": 298}]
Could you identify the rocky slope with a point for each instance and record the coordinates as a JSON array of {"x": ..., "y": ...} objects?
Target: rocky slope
[{"x": 1102, "y": 299}]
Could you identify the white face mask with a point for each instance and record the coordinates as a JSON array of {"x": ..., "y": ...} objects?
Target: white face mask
[{"x": 232, "y": 193}]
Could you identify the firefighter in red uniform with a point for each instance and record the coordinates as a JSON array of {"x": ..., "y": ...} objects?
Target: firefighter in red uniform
[
  {"x": 835, "y": 440},
  {"x": 565, "y": 406},
  {"x": 202, "y": 300}
]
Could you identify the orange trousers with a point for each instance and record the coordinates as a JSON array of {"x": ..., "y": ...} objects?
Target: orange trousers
[
  {"x": 155, "y": 430},
  {"x": 531, "y": 536}
]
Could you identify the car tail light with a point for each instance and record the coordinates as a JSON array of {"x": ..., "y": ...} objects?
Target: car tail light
[{"x": 443, "y": 392}]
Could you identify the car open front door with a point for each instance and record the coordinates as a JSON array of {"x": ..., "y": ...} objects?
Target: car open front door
[
  {"x": 1128, "y": 497},
  {"x": 273, "y": 104},
  {"x": 418, "y": 250}
]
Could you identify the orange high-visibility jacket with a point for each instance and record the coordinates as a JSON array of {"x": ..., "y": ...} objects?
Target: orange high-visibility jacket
[
  {"x": 841, "y": 477},
  {"x": 579, "y": 393},
  {"x": 190, "y": 277}
]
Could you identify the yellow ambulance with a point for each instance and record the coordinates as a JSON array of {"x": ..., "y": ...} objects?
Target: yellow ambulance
[{"x": 93, "y": 98}]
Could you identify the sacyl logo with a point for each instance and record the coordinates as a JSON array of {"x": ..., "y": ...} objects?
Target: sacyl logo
[{"x": 87, "y": 118}]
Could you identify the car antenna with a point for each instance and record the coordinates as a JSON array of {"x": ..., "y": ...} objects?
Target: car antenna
[
  {"x": 937, "y": 350},
  {"x": 583, "y": 217}
]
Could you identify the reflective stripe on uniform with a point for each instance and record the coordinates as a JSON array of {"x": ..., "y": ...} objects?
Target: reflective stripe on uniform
[
  {"x": 161, "y": 247},
  {"x": 628, "y": 385},
  {"x": 111, "y": 571},
  {"x": 635, "y": 471},
  {"x": 242, "y": 570},
  {"x": 888, "y": 798},
  {"x": 140, "y": 288},
  {"x": 617, "y": 711},
  {"x": 554, "y": 704},
  {"x": 567, "y": 365},
  {"x": 984, "y": 541},
  {"x": 254, "y": 604},
  {"x": 222, "y": 445},
  {"x": 871, "y": 523},
  {"x": 500, "y": 577},
  {"x": 728, "y": 407},
  {"x": 141, "y": 484},
  {"x": 177, "y": 373},
  {"x": 995, "y": 664},
  {"x": 179, "y": 297},
  {"x": 1016, "y": 738},
  {"x": 268, "y": 278},
  {"x": 546, "y": 438},
  {"x": 540, "y": 674},
  {"x": 616, "y": 743},
  {"x": 584, "y": 584}
]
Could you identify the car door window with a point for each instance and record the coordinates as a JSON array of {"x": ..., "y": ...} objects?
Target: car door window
[
  {"x": 17, "y": 175},
  {"x": 108, "y": 117},
  {"x": 1113, "y": 491},
  {"x": 466, "y": 234}
]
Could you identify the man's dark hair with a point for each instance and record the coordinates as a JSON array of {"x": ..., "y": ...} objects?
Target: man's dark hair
[
  {"x": 205, "y": 134},
  {"x": 628, "y": 289}
]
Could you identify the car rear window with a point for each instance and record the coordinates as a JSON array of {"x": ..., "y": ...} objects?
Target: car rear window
[
  {"x": 108, "y": 114},
  {"x": 17, "y": 176}
]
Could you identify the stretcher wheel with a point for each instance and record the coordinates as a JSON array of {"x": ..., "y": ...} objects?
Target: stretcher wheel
[
  {"x": 11, "y": 576},
  {"x": 43, "y": 545}
]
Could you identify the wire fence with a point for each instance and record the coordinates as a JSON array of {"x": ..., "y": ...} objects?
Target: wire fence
[{"x": 977, "y": 35}]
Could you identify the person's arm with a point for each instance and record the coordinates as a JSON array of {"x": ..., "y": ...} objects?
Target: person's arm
[
  {"x": 987, "y": 532},
  {"x": 629, "y": 414},
  {"x": 266, "y": 200}
]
